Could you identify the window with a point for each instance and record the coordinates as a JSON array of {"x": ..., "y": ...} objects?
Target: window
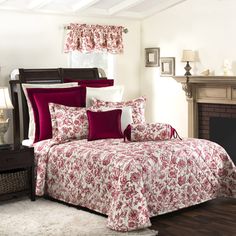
[{"x": 101, "y": 60}]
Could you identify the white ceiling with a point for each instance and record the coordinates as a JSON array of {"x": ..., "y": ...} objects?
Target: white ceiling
[{"x": 132, "y": 9}]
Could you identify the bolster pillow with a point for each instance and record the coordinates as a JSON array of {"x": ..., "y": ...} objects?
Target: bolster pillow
[{"x": 149, "y": 132}]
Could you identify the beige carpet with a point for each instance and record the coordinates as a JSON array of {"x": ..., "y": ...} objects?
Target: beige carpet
[{"x": 47, "y": 218}]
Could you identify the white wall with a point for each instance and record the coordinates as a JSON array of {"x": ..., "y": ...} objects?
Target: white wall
[
  {"x": 36, "y": 40},
  {"x": 205, "y": 26}
]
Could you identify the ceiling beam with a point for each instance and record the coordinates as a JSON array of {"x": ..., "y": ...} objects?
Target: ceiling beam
[
  {"x": 162, "y": 7},
  {"x": 130, "y": 15},
  {"x": 36, "y": 4},
  {"x": 2, "y": 1},
  {"x": 98, "y": 12},
  {"x": 84, "y": 4},
  {"x": 123, "y": 6}
]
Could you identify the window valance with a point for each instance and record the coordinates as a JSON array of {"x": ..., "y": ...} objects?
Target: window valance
[{"x": 88, "y": 38}]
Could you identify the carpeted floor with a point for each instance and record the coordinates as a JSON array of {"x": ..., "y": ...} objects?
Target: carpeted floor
[{"x": 47, "y": 218}]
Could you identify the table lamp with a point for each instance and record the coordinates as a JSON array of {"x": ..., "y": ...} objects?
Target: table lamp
[
  {"x": 188, "y": 56},
  {"x": 5, "y": 103}
]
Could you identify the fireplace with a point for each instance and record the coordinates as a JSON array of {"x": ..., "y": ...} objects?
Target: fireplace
[
  {"x": 217, "y": 122},
  {"x": 212, "y": 109}
]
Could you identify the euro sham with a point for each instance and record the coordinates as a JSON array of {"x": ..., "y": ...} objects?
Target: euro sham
[
  {"x": 112, "y": 94},
  {"x": 40, "y": 98},
  {"x": 92, "y": 83},
  {"x": 31, "y": 131}
]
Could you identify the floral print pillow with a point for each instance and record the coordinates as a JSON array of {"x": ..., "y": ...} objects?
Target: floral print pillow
[
  {"x": 137, "y": 105},
  {"x": 149, "y": 132},
  {"x": 68, "y": 122}
]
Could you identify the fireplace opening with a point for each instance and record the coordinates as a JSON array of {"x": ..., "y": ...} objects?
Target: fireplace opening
[
  {"x": 223, "y": 131},
  {"x": 217, "y": 122}
]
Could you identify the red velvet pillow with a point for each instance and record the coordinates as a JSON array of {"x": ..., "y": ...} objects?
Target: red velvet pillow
[
  {"x": 92, "y": 83},
  {"x": 104, "y": 124},
  {"x": 40, "y": 98}
]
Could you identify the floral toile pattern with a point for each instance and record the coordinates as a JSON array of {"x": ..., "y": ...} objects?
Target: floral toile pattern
[
  {"x": 68, "y": 122},
  {"x": 87, "y": 38},
  {"x": 149, "y": 132},
  {"x": 137, "y": 105},
  {"x": 133, "y": 181}
]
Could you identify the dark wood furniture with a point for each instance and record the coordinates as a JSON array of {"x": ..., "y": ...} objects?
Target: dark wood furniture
[
  {"x": 17, "y": 169},
  {"x": 46, "y": 76}
]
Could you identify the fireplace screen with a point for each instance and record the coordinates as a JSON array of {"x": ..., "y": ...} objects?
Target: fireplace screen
[{"x": 223, "y": 131}]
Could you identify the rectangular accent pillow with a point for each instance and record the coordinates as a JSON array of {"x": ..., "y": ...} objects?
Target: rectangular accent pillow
[
  {"x": 40, "y": 98},
  {"x": 112, "y": 94},
  {"x": 92, "y": 83},
  {"x": 149, "y": 132},
  {"x": 104, "y": 124},
  {"x": 31, "y": 131},
  {"x": 68, "y": 122},
  {"x": 137, "y": 105}
]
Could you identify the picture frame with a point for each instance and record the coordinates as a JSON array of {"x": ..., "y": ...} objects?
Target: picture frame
[
  {"x": 167, "y": 66},
  {"x": 152, "y": 57}
]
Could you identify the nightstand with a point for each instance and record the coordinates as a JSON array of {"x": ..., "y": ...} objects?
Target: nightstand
[{"x": 17, "y": 172}]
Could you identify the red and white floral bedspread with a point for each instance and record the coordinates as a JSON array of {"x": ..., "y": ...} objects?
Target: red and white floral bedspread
[{"x": 131, "y": 182}]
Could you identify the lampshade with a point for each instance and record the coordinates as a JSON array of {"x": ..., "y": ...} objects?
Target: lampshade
[
  {"x": 5, "y": 101},
  {"x": 188, "y": 55}
]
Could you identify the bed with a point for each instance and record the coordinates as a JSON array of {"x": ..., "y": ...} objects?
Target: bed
[{"x": 127, "y": 181}]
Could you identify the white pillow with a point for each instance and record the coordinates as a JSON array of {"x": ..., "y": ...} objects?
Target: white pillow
[
  {"x": 27, "y": 143},
  {"x": 31, "y": 132},
  {"x": 126, "y": 116},
  {"x": 108, "y": 94}
]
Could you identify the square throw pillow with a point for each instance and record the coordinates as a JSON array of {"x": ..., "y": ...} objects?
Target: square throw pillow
[
  {"x": 112, "y": 94},
  {"x": 40, "y": 98},
  {"x": 31, "y": 131},
  {"x": 104, "y": 124},
  {"x": 68, "y": 122},
  {"x": 137, "y": 105},
  {"x": 126, "y": 115}
]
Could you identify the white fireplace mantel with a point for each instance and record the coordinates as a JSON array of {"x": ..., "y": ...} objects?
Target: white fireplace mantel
[{"x": 206, "y": 89}]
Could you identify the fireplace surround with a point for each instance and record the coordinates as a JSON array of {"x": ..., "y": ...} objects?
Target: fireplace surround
[{"x": 211, "y": 101}]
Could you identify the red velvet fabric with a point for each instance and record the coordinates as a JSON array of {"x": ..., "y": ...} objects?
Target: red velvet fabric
[
  {"x": 104, "y": 124},
  {"x": 40, "y": 97},
  {"x": 92, "y": 83}
]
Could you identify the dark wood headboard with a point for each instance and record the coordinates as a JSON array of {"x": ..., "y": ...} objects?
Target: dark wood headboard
[{"x": 46, "y": 76}]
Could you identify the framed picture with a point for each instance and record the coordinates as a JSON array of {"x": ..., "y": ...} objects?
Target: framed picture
[
  {"x": 152, "y": 57},
  {"x": 167, "y": 66}
]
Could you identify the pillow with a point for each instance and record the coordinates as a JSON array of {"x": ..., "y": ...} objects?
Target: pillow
[
  {"x": 92, "y": 83},
  {"x": 40, "y": 98},
  {"x": 137, "y": 105},
  {"x": 68, "y": 122},
  {"x": 104, "y": 124},
  {"x": 150, "y": 132},
  {"x": 126, "y": 116},
  {"x": 112, "y": 94},
  {"x": 31, "y": 131}
]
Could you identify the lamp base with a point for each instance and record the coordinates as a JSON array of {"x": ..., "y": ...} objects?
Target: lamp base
[
  {"x": 187, "y": 68},
  {"x": 3, "y": 129}
]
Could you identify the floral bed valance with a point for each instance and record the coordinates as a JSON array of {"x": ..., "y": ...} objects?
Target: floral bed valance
[{"x": 88, "y": 38}]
